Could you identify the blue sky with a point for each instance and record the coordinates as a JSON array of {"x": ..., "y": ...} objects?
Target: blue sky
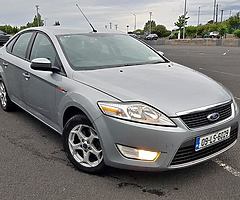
[{"x": 102, "y": 12}]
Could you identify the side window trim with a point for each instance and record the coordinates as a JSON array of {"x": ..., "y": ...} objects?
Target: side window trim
[{"x": 30, "y": 45}]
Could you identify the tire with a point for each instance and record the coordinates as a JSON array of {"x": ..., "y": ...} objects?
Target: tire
[
  {"x": 6, "y": 104},
  {"x": 82, "y": 145}
]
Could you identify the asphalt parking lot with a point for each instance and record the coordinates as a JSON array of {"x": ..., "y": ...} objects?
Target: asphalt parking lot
[{"x": 33, "y": 164}]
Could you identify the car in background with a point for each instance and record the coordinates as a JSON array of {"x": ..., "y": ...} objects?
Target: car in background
[
  {"x": 3, "y": 38},
  {"x": 134, "y": 35},
  {"x": 213, "y": 34},
  {"x": 152, "y": 37}
]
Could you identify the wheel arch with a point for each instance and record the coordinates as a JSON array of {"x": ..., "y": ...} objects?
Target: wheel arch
[
  {"x": 70, "y": 112},
  {"x": 73, "y": 110}
]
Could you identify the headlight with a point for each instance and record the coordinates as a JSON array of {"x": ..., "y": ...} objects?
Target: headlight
[
  {"x": 137, "y": 112},
  {"x": 236, "y": 109}
]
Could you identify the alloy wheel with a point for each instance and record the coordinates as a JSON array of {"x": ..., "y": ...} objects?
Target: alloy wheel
[
  {"x": 3, "y": 94},
  {"x": 84, "y": 146}
]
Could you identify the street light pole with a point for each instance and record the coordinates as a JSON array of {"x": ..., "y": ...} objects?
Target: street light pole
[
  {"x": 45, "y": 21},
  {"x": 214, "y": 10},
  {"x": 217, "y": 13},
  {"x": 222, "y": 15},
  {"x": 150, "y": 22},
  {"x": 37, "y": 7},
  {"x": 135, "y": 21},
  {"x": 185, "y": 13},
  {"x": 199, "y": 12}
]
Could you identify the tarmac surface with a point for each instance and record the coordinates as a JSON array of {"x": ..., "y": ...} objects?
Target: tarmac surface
[{"x": 34, "y": 166}]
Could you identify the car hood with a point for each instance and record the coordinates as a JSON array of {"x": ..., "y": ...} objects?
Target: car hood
[{"x": 171, "y": 88}]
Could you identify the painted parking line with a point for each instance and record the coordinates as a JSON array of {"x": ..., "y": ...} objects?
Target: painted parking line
[
  {"x": 220, "y": 72},
  {"x": 238, "y": 98},
  {"x": 227, "y": 167}
]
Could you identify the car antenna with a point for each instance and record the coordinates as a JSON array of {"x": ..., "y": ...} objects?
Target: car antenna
[{"x": 94, "y": 30}]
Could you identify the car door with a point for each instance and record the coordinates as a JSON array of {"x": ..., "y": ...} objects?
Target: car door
[
  {"x": 40, "y": 86},
  {"x": 14, "y": 64}
]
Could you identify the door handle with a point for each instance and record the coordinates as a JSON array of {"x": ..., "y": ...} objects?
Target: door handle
[
  {"x": 26, "y": 76},
  {"x": 5, "y": 64}
]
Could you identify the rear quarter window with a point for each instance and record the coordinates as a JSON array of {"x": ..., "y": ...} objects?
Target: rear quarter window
[{"x": 10, "y": 45}]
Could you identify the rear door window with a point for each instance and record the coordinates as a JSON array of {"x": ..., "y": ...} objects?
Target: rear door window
[{"x": 21, "y": 45}]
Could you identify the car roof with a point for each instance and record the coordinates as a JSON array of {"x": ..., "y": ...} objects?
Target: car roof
[{"x": 59, "y": 30}]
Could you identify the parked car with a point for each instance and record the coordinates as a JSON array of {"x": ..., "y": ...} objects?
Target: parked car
[
  {"x": 152, "y": 37},
  {"x": 214, "y": 34},
  {"x": 116, "y": 101},
  {"x": 3, "y": 38},
  {"x": 134, "y": 35}
]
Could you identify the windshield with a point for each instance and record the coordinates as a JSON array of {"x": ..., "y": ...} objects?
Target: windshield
[{"x": 91, "y": 51}]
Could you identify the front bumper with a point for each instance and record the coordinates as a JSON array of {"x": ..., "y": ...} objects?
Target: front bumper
[{"x": 166, "y": 140}]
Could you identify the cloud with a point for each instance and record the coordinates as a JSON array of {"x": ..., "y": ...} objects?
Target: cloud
[{"x": 101, "y": 13}]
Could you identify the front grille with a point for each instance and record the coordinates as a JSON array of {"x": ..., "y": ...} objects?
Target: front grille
[
  {"x": 199, "y": 119},
  {"x": 187, "y": 153}
]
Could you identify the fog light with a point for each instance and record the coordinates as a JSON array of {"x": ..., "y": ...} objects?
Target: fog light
[{"x": 138, "y": 154}]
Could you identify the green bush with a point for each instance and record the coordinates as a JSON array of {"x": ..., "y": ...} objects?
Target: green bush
[
  {"x": 191, "y": 31},
  {"x": 237, "y": 33}
]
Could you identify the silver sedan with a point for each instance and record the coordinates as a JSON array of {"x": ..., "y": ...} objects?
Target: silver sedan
[{"x": 115, "y": 100}]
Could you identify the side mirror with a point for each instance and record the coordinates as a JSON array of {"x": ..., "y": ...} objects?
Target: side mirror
[
  {"x": 161, "y": 53},
  {"x": 43, "y": 64}
]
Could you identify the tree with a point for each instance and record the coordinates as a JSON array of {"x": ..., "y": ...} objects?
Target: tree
[
  {"x": 182, "y": 20},
  {"x": 149, "y": 24},
  {"x": 201, "y": 30},
  {"x": 222, "y": 29},
  {"x": 9, "y": 29},
  {"x": 237, "y": 33},
  {"x": 161, "y": 31},
  {"x": 234, "y": 21},
  {"x": 37, "y": 20},
  {"x": 138, "y": 32},
  {"x": 191, "y": 31}
]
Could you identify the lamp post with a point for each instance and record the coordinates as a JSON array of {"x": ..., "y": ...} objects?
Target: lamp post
[
  {"x": 185, "y": 13},
  {"x": 222, "y": 15},
  {"x": 45, "y": 21},
  {"x": 214, "y": 10},
  {"x": 37, "y": 8},
  {"x": 199, "y": 12},
  {"x": 217, "y": 13},
  {"x": 150, "y": 22},
  {"x": 135, "y": 21},
  {"x": 127, "y": 28}
]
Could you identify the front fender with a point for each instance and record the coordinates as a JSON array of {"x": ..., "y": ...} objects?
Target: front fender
[{"x": 86, "y": 102}]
